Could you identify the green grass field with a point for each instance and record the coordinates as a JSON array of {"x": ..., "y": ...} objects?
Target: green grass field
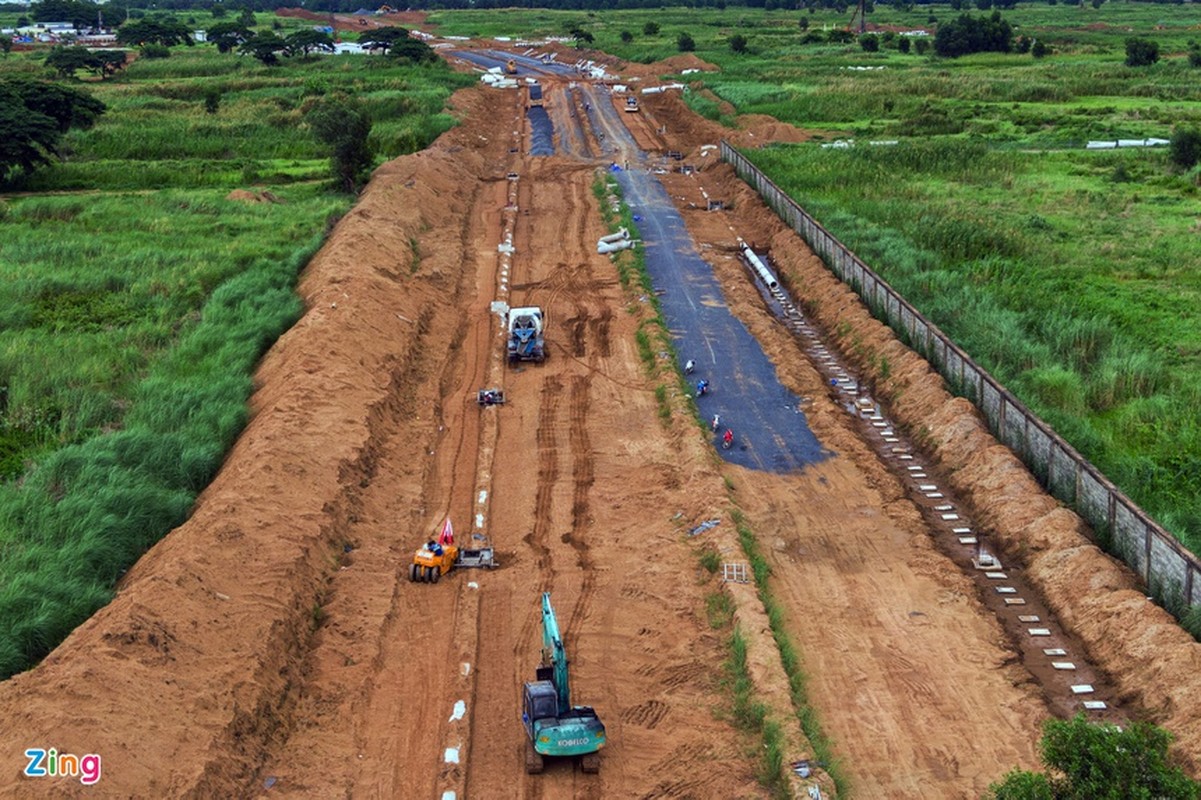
[
  {"x": 136, "y": 299},
  {"x": 1071, "y": 274}
]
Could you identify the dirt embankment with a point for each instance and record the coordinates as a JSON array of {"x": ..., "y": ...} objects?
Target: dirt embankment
[
  {"x": 182, "y": 680},
  {"x": 350, "y": 22},
  {"x": 274, "y": 638},
  {"x": 1154, "y": 662}
]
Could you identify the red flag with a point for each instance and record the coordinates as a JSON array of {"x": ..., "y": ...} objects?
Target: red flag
[{"x": 448, "y": 535}]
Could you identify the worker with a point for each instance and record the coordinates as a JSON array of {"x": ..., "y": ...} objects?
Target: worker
[
  {"x": 689, "y": 366},
  {"x": 716, "y": 422},
  {"x": 437, "y": 548},
  {"x": 728, "y": 439}
]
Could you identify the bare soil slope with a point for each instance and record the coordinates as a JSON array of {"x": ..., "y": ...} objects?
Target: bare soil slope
[{"x": 273, "y": 643}]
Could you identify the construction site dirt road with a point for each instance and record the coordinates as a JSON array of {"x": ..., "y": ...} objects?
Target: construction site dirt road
[{"x": 274, "y": 645}]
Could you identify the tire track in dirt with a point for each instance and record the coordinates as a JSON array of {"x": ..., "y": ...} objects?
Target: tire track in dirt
[
  {"x": 582, "y": 477},
  {"x": 375, "y": 656},
  {"x": 548, "y": 474}
]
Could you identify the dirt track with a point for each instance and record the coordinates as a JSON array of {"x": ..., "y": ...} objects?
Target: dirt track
[{"x": 273, "y": 644}]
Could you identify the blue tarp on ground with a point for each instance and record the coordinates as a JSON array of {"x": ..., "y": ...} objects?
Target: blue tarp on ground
[{"x": 770, "y": 431}]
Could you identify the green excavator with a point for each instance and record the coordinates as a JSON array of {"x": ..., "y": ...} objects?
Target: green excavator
[{"x": 554, "y": 726}]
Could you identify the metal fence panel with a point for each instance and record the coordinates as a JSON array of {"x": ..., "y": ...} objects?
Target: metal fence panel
[
  {"x": 1039, "y": 446},
  {"x": 1166, "y": 565}
]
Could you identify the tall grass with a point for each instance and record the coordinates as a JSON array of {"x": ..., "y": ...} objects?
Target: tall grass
[
  {"x": 136, "y": 299},
  {"x": 1044, "y": 284}
]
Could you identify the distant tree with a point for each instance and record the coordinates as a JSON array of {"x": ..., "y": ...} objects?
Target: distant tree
[
  {"x": 109, "y": 62},
  {"x": 1098, "y": 3},
  {"x": 804, "y": 23},
  {"x": 27, "y": 141},
  {"x": 651, "y": 29},
  {"x": 212, "y": 100},
  {"x": 840, "y": 36},
  {"x": 228, "y": 35},
  {"x": 343, "y": 125},
  {"x": 80, "y": 13},
  {"x": 6, "y": 44},
  {"x": 581, "y": 36},
  {"x": 627, "y": 37},
  {"x": 154, "y": 50},
  {"x": 1141, "y": 52},
  {"x": 1040, "y": 49},
  {"x": 973, "y": 35},
  {"x": 413, "y": 51},
  {"x": 922, "y": 46},
  {"x": 1022, "y": 44},
  {"x": 69, "y": 108},
  {"x": 383, "y": 38},
  {"x": 67, "y": 60},
  {"x": 1100, "y": 761},
  {"x": 247, "y": 18},
  {"x": 738, "y": 43},
  {"x": 33, "y": 117},
  {"x": 869, "y": 42},
  {"x": 685, "y": 43},
  {"x": 164, "y": 31},
  {"x": 984, "y": 5},
  {"x": 904, "y": 45},
  {"x": 1185, "y": 150},
  {"x": 1194, "y": 58},
  {"x": 306, "y": 41},
  {"x": 218, "y": 11},
  {"x": 264, "y": 46},
  {"x": 116, "y": 12}
]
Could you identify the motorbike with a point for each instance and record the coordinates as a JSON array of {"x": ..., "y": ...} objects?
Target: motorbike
[{"x": 728, "y": 440}]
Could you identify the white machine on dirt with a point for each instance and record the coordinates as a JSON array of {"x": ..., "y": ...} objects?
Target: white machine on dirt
[{"x": 526, "y": 342}]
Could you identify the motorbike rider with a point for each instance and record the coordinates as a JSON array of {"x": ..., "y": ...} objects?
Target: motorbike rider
[
  {"x": 689, "y": 367},
  {"x": 716, "y": 422},
  {"x": 728, "y": 439},
  {"x": 702, "y": 387}
]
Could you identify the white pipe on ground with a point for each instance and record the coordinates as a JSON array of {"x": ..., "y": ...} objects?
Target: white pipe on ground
[
  {"x": 614, "y": 247},
  {"x": 768, "y": 279},
  {"x": 616, "y": 237}
]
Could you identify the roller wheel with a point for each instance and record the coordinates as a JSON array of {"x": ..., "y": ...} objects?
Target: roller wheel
[
  {"x": 429, "y": 574},
  {"x": 590, "y": 763},
  {"x": 533, "y": 759},
  {"x": 414, "y": 573},
  {"x": 435, "y": 574}
]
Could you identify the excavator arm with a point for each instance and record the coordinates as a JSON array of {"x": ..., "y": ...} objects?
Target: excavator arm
[{"x": 554, "y": 652}]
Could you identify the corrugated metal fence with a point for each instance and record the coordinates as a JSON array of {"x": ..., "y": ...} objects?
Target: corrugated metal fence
[{"x": 1150, "y": 550}]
